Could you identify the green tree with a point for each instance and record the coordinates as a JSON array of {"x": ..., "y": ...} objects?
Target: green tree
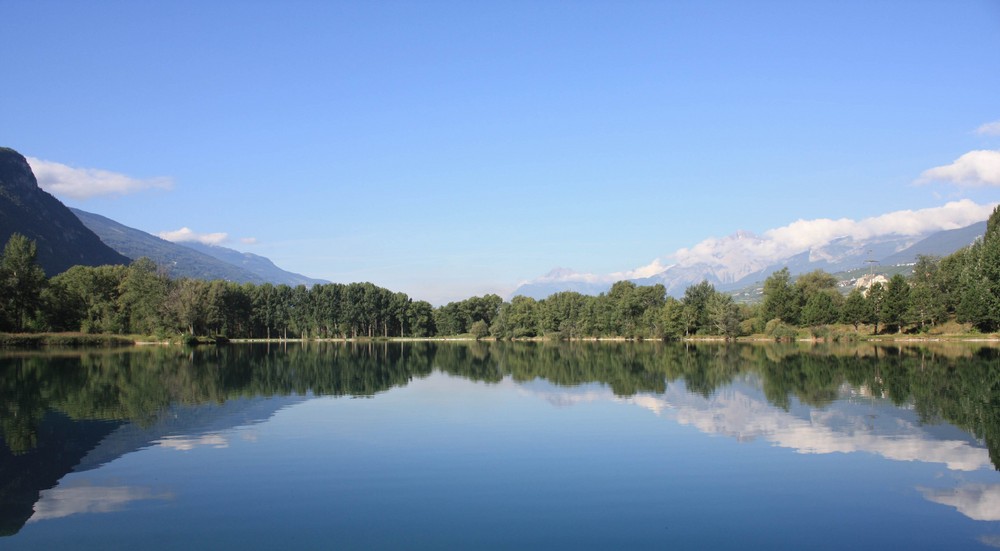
[
  {"x": 90, "y": 299},
  {"x": 302, "y": 316},
  {"x": 523, "y": 317},
  {"x": 927, "y": 296},
  {"x": 724, "y": 315},
  {"x": 897, "y": 303},
  {"x": 856, "y": 309},
  {"x": 142, "y": 297},
  {"x": 781, "y": 299},
  {"x": 950, "y": 273},
  {"x": 979, "y": 284},
  {"x": 820, "y": 299},
  {"x": 450, "y": 319},
  {"x": 516, "y": 319},
  {"x": 236, "y": 310},
  {"x": 874, "y": 304},
  {"x": 21, "y": 282},
  {"x": 189, "y": 305},
  {"x": 626, "y": 307},
  {"x": 814, "y": 282},
  {"x": 695, "y": 312},
  {"x": 400, "y": 309},
  {"x": 420, "y": 319},
  {"x": 479, "y": 329},
  {"x": 328, "y": 305},
  {"x": 820, "y": 309},
  {"x": 563, "y": 313}
]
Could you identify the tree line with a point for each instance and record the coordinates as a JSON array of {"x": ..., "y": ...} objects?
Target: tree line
[{"x": 142, "y": 299}]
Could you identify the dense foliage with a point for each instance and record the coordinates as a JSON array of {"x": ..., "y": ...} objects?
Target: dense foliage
[{"x": 141, "y": 299}]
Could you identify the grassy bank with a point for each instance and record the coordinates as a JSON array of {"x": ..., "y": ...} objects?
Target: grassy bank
[{"x": 39, "y": 340}]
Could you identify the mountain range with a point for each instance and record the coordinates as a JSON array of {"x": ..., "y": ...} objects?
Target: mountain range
[{"x": 743, "y": 259}]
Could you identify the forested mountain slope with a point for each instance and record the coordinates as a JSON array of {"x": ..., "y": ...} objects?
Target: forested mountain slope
[{"x": 177, "y": 260}]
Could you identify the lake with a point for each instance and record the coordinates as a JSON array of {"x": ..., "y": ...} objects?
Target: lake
[{"x": 501, "y": 446}]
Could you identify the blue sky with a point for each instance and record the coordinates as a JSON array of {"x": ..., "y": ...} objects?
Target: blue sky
[{"x": 447, "y": 149}]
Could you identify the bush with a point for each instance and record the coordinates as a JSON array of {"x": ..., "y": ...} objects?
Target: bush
[
  {"x": 479, "y": 329},
  {"x": 780, "y": 331},
  {"x": 841, "y": 336},
  {"x": 821, "y": 332}
]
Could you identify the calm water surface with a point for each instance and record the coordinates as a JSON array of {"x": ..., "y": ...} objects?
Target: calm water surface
[{"x": 501, "y": 446}]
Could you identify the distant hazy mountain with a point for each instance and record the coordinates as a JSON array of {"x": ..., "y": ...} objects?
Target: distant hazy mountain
[
  {"x": 732, "y": 273},
  {"x": 179, "y": 261},
  {"x": 189, "y": 260},
  {"x": 256, "y": 264},
  {"x": 555, "y": 282},
  {"x": 942, "y": 243},
  {"x": 743, "y": 259},
  {"x": 61, "y": 239}
]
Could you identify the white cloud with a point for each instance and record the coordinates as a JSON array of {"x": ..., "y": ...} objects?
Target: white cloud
[
  {"x": 186, "y": 234},
  {"x": 83, "y": 183},
  {"x": 989, "y": 129},
  {"x": 248, "y": 240},
  {"x": 975, "y": 168},
  {"x": 649, "y": 270}
]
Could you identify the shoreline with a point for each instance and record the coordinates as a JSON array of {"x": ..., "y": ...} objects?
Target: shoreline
[{"x": 17, "y": 341}]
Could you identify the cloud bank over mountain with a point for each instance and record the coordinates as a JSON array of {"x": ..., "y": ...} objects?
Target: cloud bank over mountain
[
  {"x": 804, "y": 235},
  {"x": 731, "y": 258}
]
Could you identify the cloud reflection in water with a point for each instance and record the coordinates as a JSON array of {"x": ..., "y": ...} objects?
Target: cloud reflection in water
[{"x": 62, "y": 502}]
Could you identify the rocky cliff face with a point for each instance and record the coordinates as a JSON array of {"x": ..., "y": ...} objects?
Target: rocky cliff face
[{"x": 63, "y": 241}]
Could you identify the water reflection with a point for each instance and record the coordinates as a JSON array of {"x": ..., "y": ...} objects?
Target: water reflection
[
  {"x": 76, "y": 499},
  {"x": 182, "y": 443},
  {"x": 72, "y": 412},
  {"x": 741, "y": 412},
  {"x": 976, "y": 501}
]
